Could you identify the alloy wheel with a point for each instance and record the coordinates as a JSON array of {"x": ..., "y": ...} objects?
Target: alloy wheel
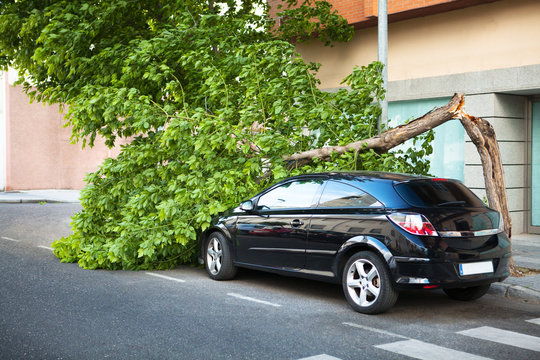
[
  {"x": 363, "y": 283},
  {"x": 214, "y": 256}
]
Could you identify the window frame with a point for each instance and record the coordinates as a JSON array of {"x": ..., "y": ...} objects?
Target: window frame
[{"x": 314, "y": 200}]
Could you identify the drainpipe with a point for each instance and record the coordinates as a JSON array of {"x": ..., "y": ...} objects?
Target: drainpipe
[{"x": 383, "y": 58}]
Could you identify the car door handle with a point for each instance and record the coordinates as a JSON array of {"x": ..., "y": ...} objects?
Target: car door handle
[{"x": 296, "y": 223}]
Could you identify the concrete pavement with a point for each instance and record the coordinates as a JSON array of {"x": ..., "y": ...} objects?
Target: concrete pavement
[
  {"x": 526, "y": 253},
  {"x": 526, "y": 247},
  {"x": 37, "y": 196}
]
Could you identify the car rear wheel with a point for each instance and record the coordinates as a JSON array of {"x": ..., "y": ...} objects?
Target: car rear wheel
[
  {"x": 468, "y": 293},
  {"x": 367, "y": 284},
  {"x": 218, "y": 259}
]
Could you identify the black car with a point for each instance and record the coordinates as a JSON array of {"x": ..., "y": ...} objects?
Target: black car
[{"x": 376, "y": 233}]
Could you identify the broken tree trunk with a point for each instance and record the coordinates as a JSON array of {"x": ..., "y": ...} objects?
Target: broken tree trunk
[
  {"x": 479, "y": 130},
  {"x": 483, "y": 136}
]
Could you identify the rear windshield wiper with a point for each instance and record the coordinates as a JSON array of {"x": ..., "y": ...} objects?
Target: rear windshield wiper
[{"x": 452, "y": 203}]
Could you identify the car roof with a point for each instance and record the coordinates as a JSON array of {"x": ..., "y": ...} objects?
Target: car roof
[
  {"x": 363, "y": 175},
  {"x": 376, "y": 183}
]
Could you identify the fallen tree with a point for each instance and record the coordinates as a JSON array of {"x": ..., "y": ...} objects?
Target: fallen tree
[
  {"x": 212, "y": 96},
  {"x": 479, "y": 130}
]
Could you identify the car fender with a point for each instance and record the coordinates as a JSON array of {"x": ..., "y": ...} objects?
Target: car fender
[
  {"x": 362, "y": 242},
  {"x": 219, "y": 228}
]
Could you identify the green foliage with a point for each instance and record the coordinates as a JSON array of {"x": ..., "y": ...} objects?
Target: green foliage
[
  {"x": 302, "y": 20},
  {"x": 212, "y": 98}
]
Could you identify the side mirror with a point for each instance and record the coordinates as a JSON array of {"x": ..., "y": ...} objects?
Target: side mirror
[{"x": 247, "y": 205}]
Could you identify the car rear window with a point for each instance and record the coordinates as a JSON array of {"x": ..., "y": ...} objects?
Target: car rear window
[{"x": 437, "y": 193}]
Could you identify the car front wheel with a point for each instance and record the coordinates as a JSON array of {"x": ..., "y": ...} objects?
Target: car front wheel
[
  {"x": 468, "y": 293},
  {"x": 218, "y": 258},
  {"x": 367, "y": 284}
]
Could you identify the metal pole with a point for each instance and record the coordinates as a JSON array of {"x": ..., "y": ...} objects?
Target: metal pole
[{"x": 383, "y": 58}]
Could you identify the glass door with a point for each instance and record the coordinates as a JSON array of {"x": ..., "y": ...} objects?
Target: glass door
[
  {"x": 448, "y": 158},
  {"x": 535, "y": 168}
]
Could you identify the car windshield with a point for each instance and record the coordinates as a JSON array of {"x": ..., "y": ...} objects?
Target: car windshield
[{"x": 437, "y": 193}]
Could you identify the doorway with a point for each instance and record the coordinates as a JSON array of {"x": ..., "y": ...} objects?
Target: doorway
[{"x": 535, "y": 169}]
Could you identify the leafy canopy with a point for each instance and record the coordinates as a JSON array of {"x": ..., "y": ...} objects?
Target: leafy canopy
[{"x": 212, "y": 96}]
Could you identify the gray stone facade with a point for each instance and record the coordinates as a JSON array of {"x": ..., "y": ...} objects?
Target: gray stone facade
[{"x": 503, "y": 97}]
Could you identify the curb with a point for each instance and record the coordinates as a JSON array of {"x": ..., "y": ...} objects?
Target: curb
[
  {"x": 27, "y": 201},
  {"x": 40, "y": 196},
  {"x": 514, "y": 292},
  {"x": 35, "y": 201}
]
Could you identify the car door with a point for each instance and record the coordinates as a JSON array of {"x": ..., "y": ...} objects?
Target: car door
[
  {"x": 344, "y": 211},
  {"x": 275, "y": 233}
]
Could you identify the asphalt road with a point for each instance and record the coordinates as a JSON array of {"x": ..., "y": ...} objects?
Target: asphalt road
[{"x": 50, "y": 310}]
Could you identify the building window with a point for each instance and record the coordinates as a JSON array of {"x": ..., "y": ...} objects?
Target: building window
[{"x": 448, "y": 158}]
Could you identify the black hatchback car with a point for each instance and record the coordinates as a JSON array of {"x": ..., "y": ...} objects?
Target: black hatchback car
[{"x": 376, "y": 233}]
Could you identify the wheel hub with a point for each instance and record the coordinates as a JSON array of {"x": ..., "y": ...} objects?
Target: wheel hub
[{"x": 364, "y": 282}]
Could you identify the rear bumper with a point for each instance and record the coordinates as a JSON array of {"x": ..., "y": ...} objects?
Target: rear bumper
[{"x": 415, "y": 273}]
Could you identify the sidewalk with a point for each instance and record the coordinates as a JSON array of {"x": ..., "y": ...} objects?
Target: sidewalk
[
  {"x": 37, "y": 196},
  {"x": 526, "y": 253},
  {"x": 526, "y": 247}
]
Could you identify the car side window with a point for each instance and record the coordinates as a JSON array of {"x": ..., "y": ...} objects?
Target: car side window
[
  {"x": 296, "y": 194},
  {"x": 340, "y": 195}
]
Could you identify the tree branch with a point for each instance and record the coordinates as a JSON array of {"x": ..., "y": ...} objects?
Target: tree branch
[{"x": 389, "y": 139}]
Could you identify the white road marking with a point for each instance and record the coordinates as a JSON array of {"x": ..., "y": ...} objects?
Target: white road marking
[
  {"x": 534, "y": 321},
  {"x": 425, "y": 351},
  {"x": 375, "y": 330},
  {"x": 9, "y": 239},
  {"x": 253, "y": 299},
  {"x": 165, "y": 277},
  {"x": 45, "y": 247},
  {"x": 320, "y": 357},
  {"x": 504, "y": 337}
]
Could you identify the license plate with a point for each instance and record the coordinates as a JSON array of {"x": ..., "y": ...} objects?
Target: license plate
[{"x": 476, "y": 268}]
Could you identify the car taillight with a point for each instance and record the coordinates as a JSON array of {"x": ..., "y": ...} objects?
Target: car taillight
[{"x": 416, "y": 224}]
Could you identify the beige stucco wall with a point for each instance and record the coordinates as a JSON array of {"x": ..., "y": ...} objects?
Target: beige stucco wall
[
  {"x": 3, "y": 83},
  {"x": 497, "y": 35},
  {"x": 39, "y": 154}
]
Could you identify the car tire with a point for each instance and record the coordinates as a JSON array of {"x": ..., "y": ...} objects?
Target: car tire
[
  {"x": 468, "y": 293},
  {"x": 218, "y": 257},
  {"x": 367, "y": 284}
]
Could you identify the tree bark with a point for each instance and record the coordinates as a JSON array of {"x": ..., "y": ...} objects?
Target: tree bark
[
  {"x": 479, "y": 130},
  {"x": 483, "y": 136}
]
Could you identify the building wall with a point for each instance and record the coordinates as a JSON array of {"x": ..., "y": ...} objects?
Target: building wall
[
  {"x": 3, "y": 149},
  {"x": 38, "y": 152},
  {"x": 363, "y": 13},
  {"x": 503, "y": 97},
  {"x": 484, "y": 37}
]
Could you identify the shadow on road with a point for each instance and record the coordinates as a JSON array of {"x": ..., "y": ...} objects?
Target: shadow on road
[{"x": 430, "y": 306}]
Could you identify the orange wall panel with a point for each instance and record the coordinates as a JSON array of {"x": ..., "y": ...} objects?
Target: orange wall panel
[
  {"x": 40, "y": 155},
  {"x": 362, "y": 13}
]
